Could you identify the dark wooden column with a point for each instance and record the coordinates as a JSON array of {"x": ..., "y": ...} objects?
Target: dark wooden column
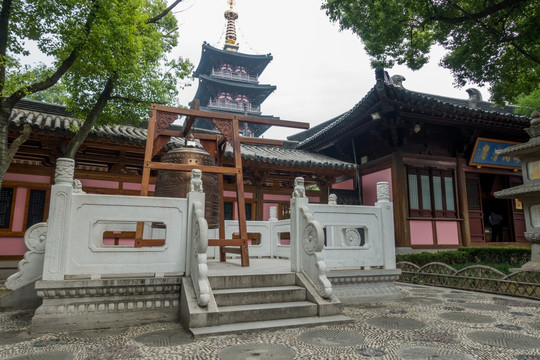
[
  {"x": 463, "y": 206},
  {"x": 401, "y": 201}
]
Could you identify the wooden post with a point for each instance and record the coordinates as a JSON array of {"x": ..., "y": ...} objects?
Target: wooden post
[
  {"x": 463, "y": 205},
  {"x": 240, "y": 192},
  {"x": 401, "y": 201}
]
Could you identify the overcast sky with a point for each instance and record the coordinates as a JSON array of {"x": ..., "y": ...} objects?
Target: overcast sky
[{"x": 320, "y": 72}]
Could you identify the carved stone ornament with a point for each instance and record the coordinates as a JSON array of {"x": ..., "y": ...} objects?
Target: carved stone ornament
[
  {"x": 77, "y": 187},
  {"x": 196, "y": 184},
  {"x": 299, "y": 189},
  {"x": 313, "y": 238},
  {"x": 31, "y": 266},
  {"x": 383, "y": 191},
  {"x": 332, "y": 199},
  {"x": 65, "y": 168},
  {"x": 352, "y": 237},
  {"x": 199, "y": 265},
  {"x": 532, "y": 236}
]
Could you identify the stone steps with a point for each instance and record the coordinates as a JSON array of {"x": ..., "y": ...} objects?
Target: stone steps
[
  {"x": 266, "y": 311},
  {"x": 251, "y": 302},
  {"x": 246, "y": 296},
  {"x": 270, "y": 325}
]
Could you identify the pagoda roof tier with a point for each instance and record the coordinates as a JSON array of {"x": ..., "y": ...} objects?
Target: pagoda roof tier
[
  {"x": 388, "y": 96},
  {"x": 212, "y": 57},
  {"x": 208, "y": 84}
]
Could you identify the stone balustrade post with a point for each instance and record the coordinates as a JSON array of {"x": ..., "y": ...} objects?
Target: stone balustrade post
[
  {"x": 59, "y": 218},
  {"x": 387, "y": 218}
]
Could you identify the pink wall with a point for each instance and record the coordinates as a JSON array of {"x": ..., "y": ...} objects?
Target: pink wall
[
  {"x": 100, "y": 184},
  {"x": 12, "y": 246},
  {"x": 344, "y": 185},
  {"x": 20, "y": 207},
  {"x": 369, "y": 185},
  {"x": 247, "y": 195},
  {"x": 277, "y": 197},
  {"x": 137, "y": 186},
  {"x": 421, "y": 232},
  {"x": 447, "y": 232},
  {"x": 41, "y": 179}
]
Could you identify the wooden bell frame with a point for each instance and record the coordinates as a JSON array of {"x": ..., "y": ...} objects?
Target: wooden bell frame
[{"x": 228, "y": 125}]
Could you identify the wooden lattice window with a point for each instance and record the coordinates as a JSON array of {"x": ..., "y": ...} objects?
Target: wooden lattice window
[
  {"x": 6, "y": 207},
  {"x": 36, "y": 207},
  {"x": 431, "y": 192}
]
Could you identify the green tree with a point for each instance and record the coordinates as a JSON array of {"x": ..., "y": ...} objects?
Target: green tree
[
  {"x": 107, "y": 52},
  {"x": 492, "y": 42}
]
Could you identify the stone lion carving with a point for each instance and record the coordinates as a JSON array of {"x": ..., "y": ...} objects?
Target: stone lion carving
[
  {"x": 196, "y": 184},
  {"x": 299, "y": 189}
]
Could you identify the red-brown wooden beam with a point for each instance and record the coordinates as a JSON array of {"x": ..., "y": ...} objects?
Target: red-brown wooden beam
[{"x": 226, "y": 116}]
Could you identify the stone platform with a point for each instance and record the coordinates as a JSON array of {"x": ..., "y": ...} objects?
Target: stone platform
[{"x": 426, "y": 323}]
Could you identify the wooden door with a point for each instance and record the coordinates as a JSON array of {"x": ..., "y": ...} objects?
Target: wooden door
[
  {"x": 517, "y": 213},
  {"x": 474, "y": 201}
]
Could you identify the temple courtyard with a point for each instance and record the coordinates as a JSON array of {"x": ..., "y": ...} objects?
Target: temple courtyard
[{"x": 426, "y": 323}]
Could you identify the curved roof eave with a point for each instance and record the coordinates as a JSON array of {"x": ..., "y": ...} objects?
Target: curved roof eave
[
  {"x": 502, "y": 117},
  {"x": 260, "y": 61}
]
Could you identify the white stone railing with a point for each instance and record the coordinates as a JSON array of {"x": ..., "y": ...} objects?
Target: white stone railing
[
  {"x": 358, "y": 236},
  {"x": 307, "y": 242},
  {"x": 75, "y": 248},
  {"x": 355, "y": 236}
]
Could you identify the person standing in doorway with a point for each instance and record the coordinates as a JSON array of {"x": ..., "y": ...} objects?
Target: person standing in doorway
[{"x": 495, "y": 220}]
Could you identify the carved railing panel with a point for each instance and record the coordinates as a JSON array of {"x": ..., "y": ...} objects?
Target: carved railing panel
[
  {"x": 307, "y": 242},
  {"x": 31, "y": 266},
  {"x": 477, "y": 277},
  {"x": 199, "y": 241}
]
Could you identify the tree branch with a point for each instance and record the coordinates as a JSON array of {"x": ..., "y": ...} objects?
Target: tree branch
[
  {"x": 158, "y": 17},
  {"x": 476, "y": 16},
  {"x": 126, "y": 99},
  {"x": 21, "y": 139},
  {"x": 502, "y": 35},
  {"x": 60, "y": 71},
  {"x": 4, "y": 24},
  {"x": 91, "y": 118}
]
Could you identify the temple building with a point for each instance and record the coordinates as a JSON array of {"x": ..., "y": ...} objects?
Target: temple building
[
  {"x": 438, "y": 153},
  {"x": 229, "y": 80}
]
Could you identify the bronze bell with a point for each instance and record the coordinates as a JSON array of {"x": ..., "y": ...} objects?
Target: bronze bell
[{"x": 176, "y": 183}]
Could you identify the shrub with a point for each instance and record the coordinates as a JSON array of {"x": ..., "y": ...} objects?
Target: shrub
[{"x": 477, "y": 255}]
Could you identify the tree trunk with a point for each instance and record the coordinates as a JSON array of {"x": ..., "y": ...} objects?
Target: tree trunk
[{"x": 91, "y": 118}]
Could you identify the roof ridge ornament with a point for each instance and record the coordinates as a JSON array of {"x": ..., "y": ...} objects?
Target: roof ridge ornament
[
  {"x": 230, "y": 35},
  {"x": 475, "y": 96}
]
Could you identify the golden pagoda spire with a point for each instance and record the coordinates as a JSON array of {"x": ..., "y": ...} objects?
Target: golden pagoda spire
[{"x": 230, "y": 35}]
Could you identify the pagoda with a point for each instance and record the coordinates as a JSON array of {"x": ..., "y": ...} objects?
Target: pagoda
[{"x": 229, "y": 80}]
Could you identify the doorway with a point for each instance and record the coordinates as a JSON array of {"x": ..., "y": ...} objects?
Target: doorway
[{"x": 483, "y": 204}]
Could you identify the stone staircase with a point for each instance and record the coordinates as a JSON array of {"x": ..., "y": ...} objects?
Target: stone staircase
[{"x": 256, "y": 302}]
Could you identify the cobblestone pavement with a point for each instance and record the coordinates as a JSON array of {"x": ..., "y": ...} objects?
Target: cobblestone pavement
[{"x": 428, "y": 323}]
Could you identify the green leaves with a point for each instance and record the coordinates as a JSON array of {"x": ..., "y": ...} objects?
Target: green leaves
[{"x": 488, "y": 42}]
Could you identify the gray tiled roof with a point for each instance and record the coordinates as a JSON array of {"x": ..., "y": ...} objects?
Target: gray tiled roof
[
  {"x": 468, "y": 112},
  {"x": 516, "y": 191},
  {"x": 59, "y": 122}
]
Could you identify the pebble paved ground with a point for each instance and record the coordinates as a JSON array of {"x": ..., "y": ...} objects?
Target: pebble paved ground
[{"x": 428, "y": 323}]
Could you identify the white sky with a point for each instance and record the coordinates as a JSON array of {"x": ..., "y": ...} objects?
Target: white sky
[{"x": 320, "y": 72}]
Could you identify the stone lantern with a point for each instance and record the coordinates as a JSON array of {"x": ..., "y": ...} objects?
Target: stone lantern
[{"x": 529, "y": 192}]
